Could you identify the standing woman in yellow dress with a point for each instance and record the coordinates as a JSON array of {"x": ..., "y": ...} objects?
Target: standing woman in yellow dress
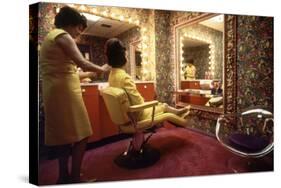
[{"x": 67, "y": 125}]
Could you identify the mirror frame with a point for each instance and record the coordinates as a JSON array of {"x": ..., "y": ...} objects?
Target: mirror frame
[
  {"x": 230, "y": 69},
  {"x": 132, "y": 49}
]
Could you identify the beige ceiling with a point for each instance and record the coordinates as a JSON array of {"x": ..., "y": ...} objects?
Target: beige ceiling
[
  {"x": 214, "y": 23},
  {"x": 187, "y": 42},
  {"x": 115, "y": 28}
]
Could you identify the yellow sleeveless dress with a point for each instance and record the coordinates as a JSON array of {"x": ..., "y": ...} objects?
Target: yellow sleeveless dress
[{"x": 66, "y": 118}]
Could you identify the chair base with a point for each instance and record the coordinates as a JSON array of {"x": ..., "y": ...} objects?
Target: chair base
[{"x": 136, "y": 160}]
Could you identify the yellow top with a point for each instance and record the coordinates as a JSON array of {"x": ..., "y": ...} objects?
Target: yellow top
[
  {"x": 66, "y": 118},
  {"x": 120, "y": 79},
  {"x": 190, "y": 71}
]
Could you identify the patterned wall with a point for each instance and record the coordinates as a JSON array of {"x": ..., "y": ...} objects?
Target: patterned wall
[
  {"x": 164, "y": 64},
  {"x": 46, "y": 19},
  {"x": 97, "y": 50},
  {"x": 255, "y": 61},
  {"x": 96, "y": 47}
]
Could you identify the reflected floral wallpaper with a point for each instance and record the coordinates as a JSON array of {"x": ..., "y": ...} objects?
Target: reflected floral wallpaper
[{"x": 96, "y": 45}]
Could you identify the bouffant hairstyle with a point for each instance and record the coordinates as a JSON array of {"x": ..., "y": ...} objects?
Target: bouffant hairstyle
[
  {"x": 68, "y": 16},
  {"x": 115, "y": 52}
]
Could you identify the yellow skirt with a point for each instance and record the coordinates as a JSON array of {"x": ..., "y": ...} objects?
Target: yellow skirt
[{"x": 66, "y": 118}]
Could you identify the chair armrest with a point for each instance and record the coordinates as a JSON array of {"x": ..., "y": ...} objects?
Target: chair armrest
[{"x": 145, "y": 105}]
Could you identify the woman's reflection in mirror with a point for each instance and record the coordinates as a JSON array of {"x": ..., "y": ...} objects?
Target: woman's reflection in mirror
[{"x": 189, "y": 70}]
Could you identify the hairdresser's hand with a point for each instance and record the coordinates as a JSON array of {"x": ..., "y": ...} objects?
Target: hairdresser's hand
[{"x": 106, "y": 68}]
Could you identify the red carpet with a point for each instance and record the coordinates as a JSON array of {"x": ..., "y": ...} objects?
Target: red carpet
[{"x": 183, "y": 153}]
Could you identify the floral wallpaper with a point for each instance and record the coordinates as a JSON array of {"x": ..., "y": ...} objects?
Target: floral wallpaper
[
  {"x": 202, "y": 124},
  {"x": 255, "y": 61},
  {"x": 33, "y": 22},
  {"x": 164, "y": 67},
  {"x": 46, "y": 20}
]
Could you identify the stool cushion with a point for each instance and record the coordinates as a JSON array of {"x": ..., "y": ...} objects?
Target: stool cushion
[{"x": 248, "y": 142}]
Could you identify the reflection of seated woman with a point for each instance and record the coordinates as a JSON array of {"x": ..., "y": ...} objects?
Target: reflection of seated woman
[
  {"x": 216, "y": 88},
  {"x": 190, "y": 70},
  {"x": 116, "y": 56}
]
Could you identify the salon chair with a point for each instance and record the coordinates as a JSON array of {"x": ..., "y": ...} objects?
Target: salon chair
[
  {"x": 139, "y": 153},
  {"x": 248, "y": 134}
]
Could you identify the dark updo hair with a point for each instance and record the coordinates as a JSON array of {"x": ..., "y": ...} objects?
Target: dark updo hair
[
  {"x": 191, "y": 61},
  {"x": 115, "y": 52},
  {"x": 68, "y": 16}
]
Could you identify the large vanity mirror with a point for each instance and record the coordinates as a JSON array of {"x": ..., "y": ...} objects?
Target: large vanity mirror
[
  {"x": 204, "y": 48},
  {"x": 102, "y": 25}
]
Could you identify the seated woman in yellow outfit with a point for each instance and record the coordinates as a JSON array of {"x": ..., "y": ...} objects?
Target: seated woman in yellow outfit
[{"x": 116, "y": 57}]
